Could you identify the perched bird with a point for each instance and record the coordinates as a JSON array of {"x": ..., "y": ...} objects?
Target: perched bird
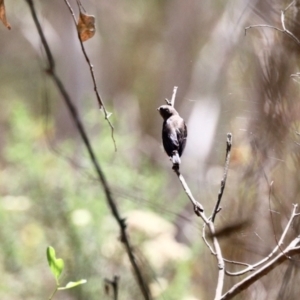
[{"x": 174, "y": 133}]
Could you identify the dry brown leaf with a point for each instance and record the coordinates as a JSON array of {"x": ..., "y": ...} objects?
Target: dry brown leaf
[
  {"x": 3, "y": 15},
  {"x": 86, "y": 26}
]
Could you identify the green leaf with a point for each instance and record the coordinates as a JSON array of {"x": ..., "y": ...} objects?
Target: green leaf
[
  {"x": 56, "y": 264},
  {"x": 72, "y": 284}
]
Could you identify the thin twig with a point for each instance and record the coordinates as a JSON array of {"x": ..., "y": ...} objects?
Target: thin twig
[
  {"x": 75, "y": 116},
  {"x": 174, "y": 96},
  {"x": 172, "y": 102},
  {"x": 236, "y": 263},
  {"x": 290, "y": 250},
  {"x": 217, "y": 253},
  {"x": 214, "y": 253},
  {"x": 115, "y": 285},
  {"x": 221, "y": 264},
  {"x": 206, "y": 241},
  {"x": 99, "y": 99},
  {"x": 284, "y": 30},
  {"x": 278, "y": 246},
  {"x": 223, "y": 181},
  {"x": 271, "y": 216},
  {"x": 80, "y": 6},
  {"x": 292, "y": 3},
  {"x": 198, "y": 208}
]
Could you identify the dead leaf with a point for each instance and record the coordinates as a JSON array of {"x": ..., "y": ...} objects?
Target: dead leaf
[
  {"x": 3, "y": 15},
  {"x": 86, "y": 26}
]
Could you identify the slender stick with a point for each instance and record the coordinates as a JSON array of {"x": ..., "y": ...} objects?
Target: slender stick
[
  {"x": 174, "y": 96},
  {"x": 115, "y": 285},
  {"x": 206, "y": 241},
  {"x": 291, "y": 250},
  {"x": 198, "y": 208},
  {"x": 223, "y": 181},
  {"x": 220, "y": 259},
  {"x": 172, "y": 102},
  {"x": 74, "y": 114},
  {"x": 99, "y": 99},
  {"x": 284, "y": 30},
  {"x": 278, "y": 246}
]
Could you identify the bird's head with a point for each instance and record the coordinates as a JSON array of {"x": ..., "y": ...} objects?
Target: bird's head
[{"x": 166, "y": 111}]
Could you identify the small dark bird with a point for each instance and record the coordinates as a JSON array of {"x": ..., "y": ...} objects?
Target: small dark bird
[{"x": 174, "y": 133}]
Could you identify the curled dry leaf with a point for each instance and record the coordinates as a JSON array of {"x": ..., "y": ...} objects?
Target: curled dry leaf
[
  {"x": 86, "y": 26},
  {"x": 3, "y": 14}
]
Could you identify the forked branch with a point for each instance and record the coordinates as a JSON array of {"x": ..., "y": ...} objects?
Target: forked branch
[{"x": 283, "y": 30}]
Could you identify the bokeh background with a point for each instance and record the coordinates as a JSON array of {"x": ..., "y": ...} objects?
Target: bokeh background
[{"x": 227, "y": 82}]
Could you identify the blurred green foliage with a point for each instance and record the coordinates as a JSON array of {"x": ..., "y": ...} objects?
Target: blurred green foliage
[{"x": 50, "y": 196}]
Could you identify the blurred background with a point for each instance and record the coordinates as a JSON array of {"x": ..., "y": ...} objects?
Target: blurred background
[{"x": 227, "y": 82}]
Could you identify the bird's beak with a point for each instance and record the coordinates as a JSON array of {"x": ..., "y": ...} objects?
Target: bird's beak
[{"x": 158, "y": 108}]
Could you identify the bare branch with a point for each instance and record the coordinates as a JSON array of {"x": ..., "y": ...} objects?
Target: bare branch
[
  {"x": 291, "y": 250},
  {"x": 75, "y": 116},
  {"x": 174, "y": 96},
  {"x": 279, "y": 244},
  {"x": 198, "y": 208},
  {"x": 263, "y": 25},
  {"x": 172, "y": 102},
  {"x": 284, "y": 30},
  {"x": 99, "y": 99},
  {"x": 114, "y": 284},
  {"x": 221, "y": 264},
  {"x": 206, "y": 241},
  {"x": 292, "y": 3},
  {"x": 217, "y": 253},
  {"x": 236, "y": 263},
  {"x": 223, "y": 181}
]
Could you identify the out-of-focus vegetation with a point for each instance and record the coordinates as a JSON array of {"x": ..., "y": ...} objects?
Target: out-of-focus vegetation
[
  {"x": 227, "y": 81},
  {"x": 50, "y": 196}
]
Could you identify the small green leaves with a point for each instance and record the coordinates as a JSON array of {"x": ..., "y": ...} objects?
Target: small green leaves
[
  {"x": 72, "y": 284},
  {"x": 56, "y": 264}
]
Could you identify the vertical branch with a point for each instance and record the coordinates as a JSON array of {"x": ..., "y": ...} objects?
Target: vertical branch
[
  {"x": 114, "y": 284},
  {"x": 174, "y": 96},
  {"x": 172, "y": 102},
  {"x": 223, "y": 181},
  {"x": 220, "y": 259},
  {"x": 75, "y": 116},
  {"x": 221, "y": 263},
  {"x": 198, "y": 208},
  {"x": 99, "y": 99}
]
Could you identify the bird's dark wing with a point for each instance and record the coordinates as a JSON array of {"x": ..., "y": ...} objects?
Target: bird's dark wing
[
  {"x": 181, "y": 136},
  {"x": 169, "y": 137}
]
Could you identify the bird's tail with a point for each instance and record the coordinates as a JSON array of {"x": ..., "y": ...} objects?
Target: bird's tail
[{"x": 175, "y": 159}]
